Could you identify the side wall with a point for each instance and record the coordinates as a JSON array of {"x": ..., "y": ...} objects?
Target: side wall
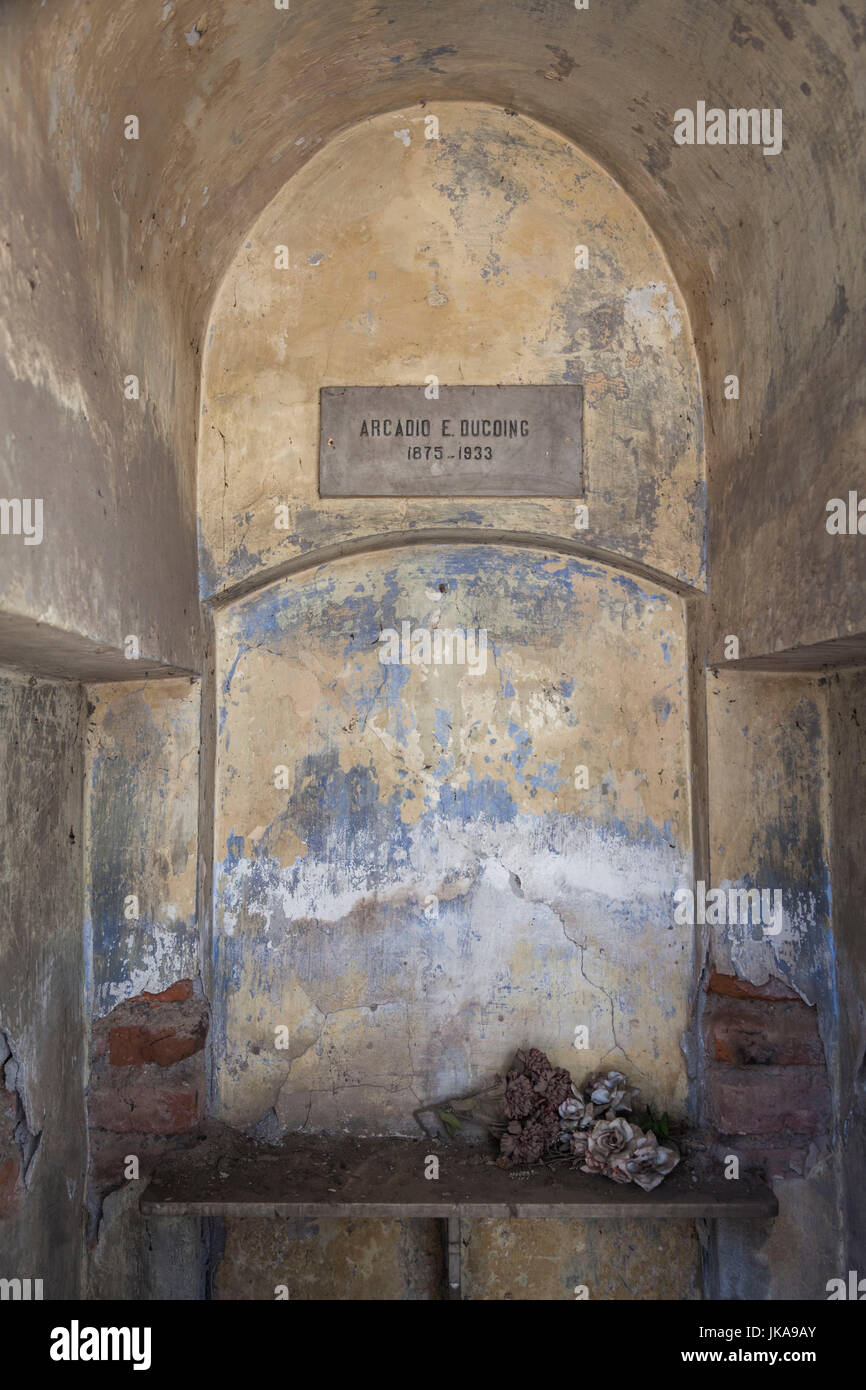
[
  {"x": 774, "y": 1033},
  {"x": 846, "y": 739},
  {"x": 43, "y": 1026}
]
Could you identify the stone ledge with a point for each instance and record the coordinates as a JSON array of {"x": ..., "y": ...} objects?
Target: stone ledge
[{"x": 314, "y": 1176}]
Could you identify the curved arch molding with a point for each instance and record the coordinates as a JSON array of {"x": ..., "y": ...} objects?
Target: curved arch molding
[{"x": 406, "y": 257}]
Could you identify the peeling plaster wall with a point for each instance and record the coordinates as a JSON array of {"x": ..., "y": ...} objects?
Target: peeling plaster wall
[
  {"x": 432, "y": 891},
  {"x": 769, "y": 798},
  {"x": 455, "y": 257},
  {"x": 142, "y": 837},
  {"x": 42, "y": 983}
]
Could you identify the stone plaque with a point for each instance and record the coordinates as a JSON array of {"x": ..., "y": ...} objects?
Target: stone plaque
[{"x": 474, "y": 441}]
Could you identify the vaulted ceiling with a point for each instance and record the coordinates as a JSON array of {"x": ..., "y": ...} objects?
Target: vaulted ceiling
[{"x": 114, "y": 248}]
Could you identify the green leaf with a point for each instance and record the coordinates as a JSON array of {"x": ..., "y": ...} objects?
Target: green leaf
[{"x": 450, "y": 1121}]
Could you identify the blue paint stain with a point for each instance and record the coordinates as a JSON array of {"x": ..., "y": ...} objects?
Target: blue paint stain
[{"x": 442, "y": 726}]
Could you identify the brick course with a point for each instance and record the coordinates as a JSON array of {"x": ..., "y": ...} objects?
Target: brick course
[{"x": 767, "y": 1087}]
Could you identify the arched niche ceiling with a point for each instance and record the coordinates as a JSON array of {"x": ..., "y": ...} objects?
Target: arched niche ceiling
[
  {"x": 130, "y": 239},
  {"x": 453, "y": 256}
]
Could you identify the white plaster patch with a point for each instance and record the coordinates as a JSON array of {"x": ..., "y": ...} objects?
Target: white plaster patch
[
  {"x": 653, "y": 305},
  {"x": 172, "y": 957},
  {"x": 547, "y": 940}
]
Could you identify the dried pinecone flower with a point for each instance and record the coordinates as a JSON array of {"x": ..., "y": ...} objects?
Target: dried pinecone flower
[
  {"x": 549, "y": 1122},
  {"x": 520, "y": 1098},
  {"x": 535, "y": 1061},
  {"x": 509, "y": 1139},
  {"x": 530, "y": 1144},
  {"x": 556, "y": 1083}
]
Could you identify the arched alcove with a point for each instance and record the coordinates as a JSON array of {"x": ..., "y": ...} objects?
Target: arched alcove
[
  {"x": 453, "y": 257},
  {"x": 423, "y": 864},
  {"x": 418, "y": 868}
]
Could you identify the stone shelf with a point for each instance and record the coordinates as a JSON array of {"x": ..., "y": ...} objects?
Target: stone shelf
[{"x": 311, "y": 1176}]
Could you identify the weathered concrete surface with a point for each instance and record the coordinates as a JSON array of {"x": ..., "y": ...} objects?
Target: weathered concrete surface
[
  {"x": 141, "y": 802},
  {"x": 117, "y": 553},
  {"x": 791, "y": 1257},
  {"x": 42, "y": 983},
  {"x": 453, "y": 257},
  {"x": 768, "y": 775},
  {"x": 137, "y": 1260},
  {"x": 431, "y": 890},
  {"x": 517, "y": 1260},
  {"x": 327, "y": 1259},
  {"x": 553, "y": 1259},
  {"x": 768, "y": 781},
  {"x": 520, "y": 1260}
]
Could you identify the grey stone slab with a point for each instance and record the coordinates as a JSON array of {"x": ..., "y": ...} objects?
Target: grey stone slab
[
  {"x": 313, "y": 1176},
  {"x": 474, "y": 441}
]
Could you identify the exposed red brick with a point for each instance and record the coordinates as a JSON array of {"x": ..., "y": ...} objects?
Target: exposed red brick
[
  {"x": 139, "y": 1032},
  {"x": 135, "y": 1046},
  {"x": 151, "y": 1109},
  {"x": 769, "y": 1100},
  {"x": 749, "y": 1032},
  {"x": 736, "y": 988},
  {"x": 175, "y": 994},
  {"x": 10, "y": 1187}
]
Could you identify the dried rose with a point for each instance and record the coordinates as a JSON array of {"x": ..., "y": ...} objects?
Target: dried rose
[
  {"x": 571, "y": 1112},
  {"x": 573, "y": 1106},
  {"x": 609, "y": 1137},
  {"x": 611, "y": 1092},
  {"x": 650, "y": 1162},
  {"x": 617, "y": 1166},
  {"x": 592, "y": 1165},
  {"x": 589, "y": 1116}
]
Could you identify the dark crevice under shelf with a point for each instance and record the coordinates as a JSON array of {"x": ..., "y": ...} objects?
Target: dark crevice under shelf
[{"x": 310, "y": 1176}]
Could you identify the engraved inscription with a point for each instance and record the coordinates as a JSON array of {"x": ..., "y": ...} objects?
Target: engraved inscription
[{"x": 481, "y": 441}]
